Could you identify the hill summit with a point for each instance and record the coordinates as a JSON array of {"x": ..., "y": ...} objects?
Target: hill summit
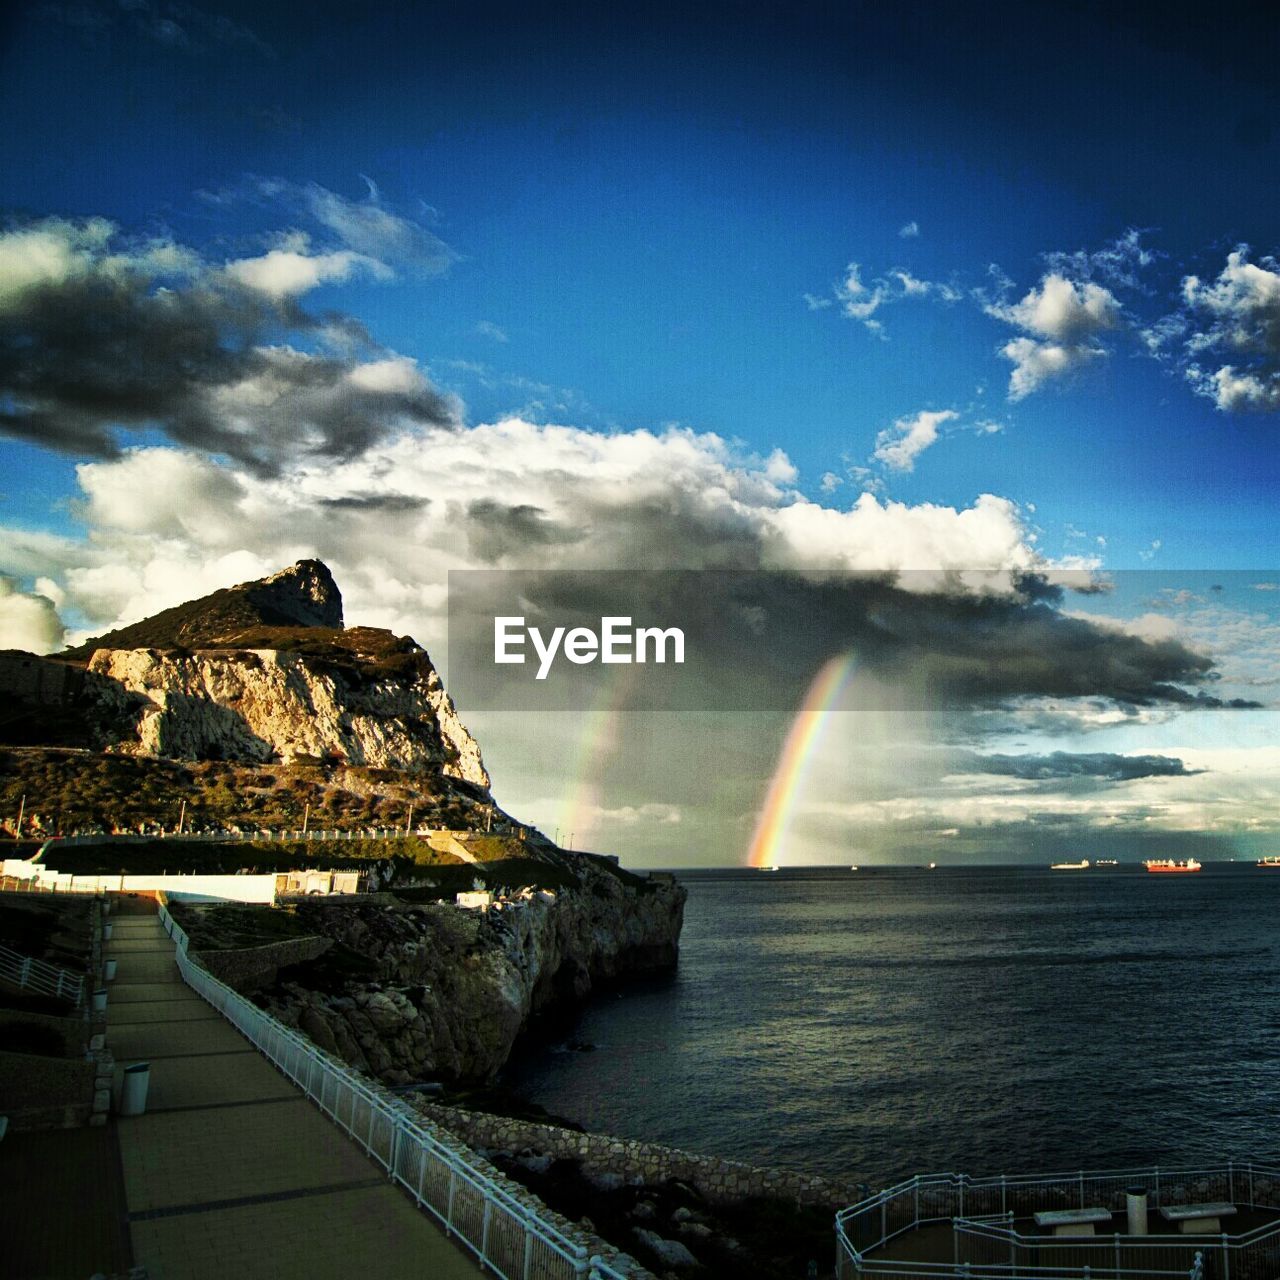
[
  {"x": 257, "y": 688},
  {"x": 303, "y": 595}
]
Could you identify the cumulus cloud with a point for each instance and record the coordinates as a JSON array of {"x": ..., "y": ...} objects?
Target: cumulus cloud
[
  {"x": 1233, "y": 320},
  {"x": 28, "y": 620},
  {"x": 909, "y": 230},
  {"x": 899, "y": 446},
  {"x": 900, "y": 584},
  {"x": 1063, "y": 318},
  {"x": 101, "y": 332}
]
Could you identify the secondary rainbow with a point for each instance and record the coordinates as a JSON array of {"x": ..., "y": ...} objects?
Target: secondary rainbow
[{"x": 797, "y": 753}]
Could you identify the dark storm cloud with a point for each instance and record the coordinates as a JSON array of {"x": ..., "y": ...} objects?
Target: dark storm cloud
[
  {"x": 147, "y": 336},
  {"x": 1058, "y": 765},
  {"x": 759, "y": 639},
  {"x": 390, "y": 503},
  {"x": 495, "y": 530}
]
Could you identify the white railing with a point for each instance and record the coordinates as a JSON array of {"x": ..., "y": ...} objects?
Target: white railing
[
  {"x": 987, "y": 1245},
  {"x": 508, "y": 1237},
  {"x": 40, "y": 976}
]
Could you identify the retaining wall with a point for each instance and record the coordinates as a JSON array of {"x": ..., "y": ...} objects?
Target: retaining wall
[
  {"x": 248, "y": 968},
  {"x": 720, "y": 1181}
]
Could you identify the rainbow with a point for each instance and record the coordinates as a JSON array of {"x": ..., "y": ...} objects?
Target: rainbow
[
  {"x": 596, "y": 747},
  {"x": 797, "y": 752}
]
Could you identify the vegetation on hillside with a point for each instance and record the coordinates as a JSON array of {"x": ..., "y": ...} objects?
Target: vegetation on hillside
[{"x": 70, "y": 790}]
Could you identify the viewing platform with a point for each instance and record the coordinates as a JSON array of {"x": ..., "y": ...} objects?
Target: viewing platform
[{"x": 1219, "y": 1222}]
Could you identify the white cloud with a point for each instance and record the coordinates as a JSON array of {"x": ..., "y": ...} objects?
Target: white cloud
[
  {"x": 394, "y": 375},
  {"x": 1242, "y": 307},
  {"x": 1065, "y": 318},
  {"x": 487, "y": 329},
  {"x": 830, "y": 482},
  {"x": 28, "y": 621},
  {"x": 1035, "y": 363},
  {"x": 1062, "y": 310},
  {"x": 1233, "y": 392},
  {"x": 860, "y": 299},
  {"x": 899, "y": 446},
  {"x": 285, "y": 273},
  {"x": 909, "y": 230},
  {"x": 392, "y": 521}
]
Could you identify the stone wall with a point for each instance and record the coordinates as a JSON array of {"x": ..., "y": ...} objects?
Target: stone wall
[
  {"x": 45, "y": 1093},
  {"x": 720, "y": 1181},
  {"x": 249, "y": 968}
]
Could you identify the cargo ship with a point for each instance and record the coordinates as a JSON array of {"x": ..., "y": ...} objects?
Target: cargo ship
[
  {"x": 1167, "y": 864},
  {"x": 1271, "y": 860},
  {"x": 1070, "y": 866}
]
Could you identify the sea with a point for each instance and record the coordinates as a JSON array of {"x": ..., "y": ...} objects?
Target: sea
[{"x": 882, "y": 1022}]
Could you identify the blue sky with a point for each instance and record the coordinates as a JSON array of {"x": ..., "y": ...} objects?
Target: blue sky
[
  {"x": 639, "y": 204},
  {"x": 627, "y": 222}
]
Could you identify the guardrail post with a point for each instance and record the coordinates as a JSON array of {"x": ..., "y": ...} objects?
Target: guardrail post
[
  {"x": 453, "y": 1186},
  {"x": 1226, "y": 1258},
  {"x": 25, "y": 972},
  {"x": 484, "y": 1231},
  {"x": 1117, "y": 1255},
  {"x": 1231, "y": 1181},
  {"x": 1250, "y": 1183},
  {"x": 1003, "y": 1206},
  {"x": 528, "y": 1254},
  {"x": 1082, "y": 1195}
]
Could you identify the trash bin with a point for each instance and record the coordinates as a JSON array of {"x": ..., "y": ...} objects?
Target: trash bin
[
  {"x": 106, "y": 932},
  {"x": 111, "y": 970},
  {"x": 1135, "y": 1201},
  {"x": 133, "y": 1095},
  {"x": 100, "y": 1000}
]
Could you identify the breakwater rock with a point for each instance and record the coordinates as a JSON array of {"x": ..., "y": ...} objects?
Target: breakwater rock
[{"x": 413, "y": 992}]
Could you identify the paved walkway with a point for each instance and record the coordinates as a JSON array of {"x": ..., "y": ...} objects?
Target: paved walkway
[{"x": 231, "y": 1171}]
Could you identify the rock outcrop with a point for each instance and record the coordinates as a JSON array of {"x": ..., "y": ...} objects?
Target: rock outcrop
[
  {"x": 358, "y": 697},
  {"x": 452, "y": 989},
  {"x": 303, "y": 595},
  {"x": 260, "y": 673}
]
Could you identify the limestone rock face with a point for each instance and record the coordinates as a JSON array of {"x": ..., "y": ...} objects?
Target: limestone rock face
[
  {"x": 456, "y": 987},
  {"x": 259, "y": 705}
]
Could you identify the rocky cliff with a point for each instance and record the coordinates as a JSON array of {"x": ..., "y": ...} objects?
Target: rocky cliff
[
  {"x": 359, "y": 697},
  {"x": 412, "y": 993},
  {"x": 261, "y": 673}
]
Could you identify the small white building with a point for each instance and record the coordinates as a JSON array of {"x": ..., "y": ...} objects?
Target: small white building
[{"x": 476, "y": 899}]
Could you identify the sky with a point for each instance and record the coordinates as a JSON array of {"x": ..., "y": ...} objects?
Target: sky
[{"x": 781, "y": 289}]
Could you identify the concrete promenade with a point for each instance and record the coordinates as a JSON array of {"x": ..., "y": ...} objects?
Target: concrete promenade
[{"x": 231, "y": 1171}]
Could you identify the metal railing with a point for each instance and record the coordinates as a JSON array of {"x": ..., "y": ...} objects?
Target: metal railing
[
  {"x": 986, "y": 1243},
  {"x": 29, "y": 884},
  {"x": 40, "y": 976},
  {"x": 508, "y": 1236}
]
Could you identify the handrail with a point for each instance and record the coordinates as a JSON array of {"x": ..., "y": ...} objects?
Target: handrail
[
  {"x": 509, "y": 1237},
  {"x": 41, "y": 976},
  {"x": 982, "y": 1210}
]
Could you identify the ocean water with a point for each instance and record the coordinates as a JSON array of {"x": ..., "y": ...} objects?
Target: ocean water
[{"x": 879, "y": 1023}]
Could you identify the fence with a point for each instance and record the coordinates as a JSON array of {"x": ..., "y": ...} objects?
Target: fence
[
  {"x": 509, "y": 1237},
  {"x": 29, "y": 884},
  {"x": 40, "y": 976},
  {"x": 986, "y": 1244}
]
